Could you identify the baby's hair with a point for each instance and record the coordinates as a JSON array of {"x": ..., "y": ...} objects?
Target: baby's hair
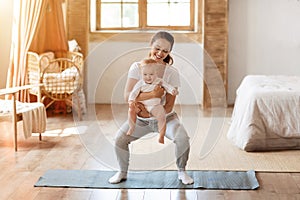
[{"x": 148, "y": 61}]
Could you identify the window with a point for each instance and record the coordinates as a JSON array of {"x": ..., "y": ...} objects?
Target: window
[{"x": 144, "y": 14}]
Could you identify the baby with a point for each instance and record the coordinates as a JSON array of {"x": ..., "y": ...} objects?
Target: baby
[{"x": 149, "y": 81}]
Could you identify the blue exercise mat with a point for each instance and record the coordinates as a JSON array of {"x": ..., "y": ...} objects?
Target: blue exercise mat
[{"x": 233, "y": 180}]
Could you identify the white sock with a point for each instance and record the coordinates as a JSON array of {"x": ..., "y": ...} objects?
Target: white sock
[
  {"x": 185, "y": 178},
  {"x": 118, "y": 177}
]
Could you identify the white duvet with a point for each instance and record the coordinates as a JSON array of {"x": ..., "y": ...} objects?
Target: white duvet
[{"x": 266, "y": 113}]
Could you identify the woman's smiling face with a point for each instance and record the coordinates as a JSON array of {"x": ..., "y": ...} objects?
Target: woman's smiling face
[{"x": 160, "y": 49}]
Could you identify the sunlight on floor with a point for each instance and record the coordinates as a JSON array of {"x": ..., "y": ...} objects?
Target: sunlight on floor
[{"x": 64, "y": 132}]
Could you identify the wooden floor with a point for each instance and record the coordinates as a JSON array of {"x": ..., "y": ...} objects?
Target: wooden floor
[{"x": 62, "y": 149}]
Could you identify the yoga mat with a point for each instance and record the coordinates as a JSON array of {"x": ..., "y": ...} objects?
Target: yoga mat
[{"x": 234, "y": 180}]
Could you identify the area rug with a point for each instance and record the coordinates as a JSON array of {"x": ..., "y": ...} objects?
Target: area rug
[{"x": 233, "y": 180}]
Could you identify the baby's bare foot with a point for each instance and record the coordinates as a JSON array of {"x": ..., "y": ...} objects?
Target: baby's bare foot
[
  {"x": 161, "y": 140},
  {"x": 130, "y": 131}
]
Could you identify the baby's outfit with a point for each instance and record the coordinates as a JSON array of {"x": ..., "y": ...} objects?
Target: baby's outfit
[{"x": 141, "y": 86}]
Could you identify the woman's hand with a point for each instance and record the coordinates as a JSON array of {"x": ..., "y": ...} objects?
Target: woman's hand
[
  {"x": 139, "y": 109},
  {"x": 133, "y": 106},
  {"x": 158, "y": 91},
  {"x": 142, "y": 112}
]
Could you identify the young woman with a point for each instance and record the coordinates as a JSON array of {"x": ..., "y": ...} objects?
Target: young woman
[{"x": 161, "y": 46}]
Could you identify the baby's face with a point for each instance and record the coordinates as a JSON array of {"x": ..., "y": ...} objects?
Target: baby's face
[{"x": 149, "y": 73}]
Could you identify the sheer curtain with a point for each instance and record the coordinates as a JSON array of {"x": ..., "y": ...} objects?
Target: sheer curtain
[
  {"x": 25, "y": 21},
  {"x": 38, "y": 25}
]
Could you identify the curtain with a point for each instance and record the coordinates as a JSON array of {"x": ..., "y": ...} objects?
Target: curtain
[
  {"x": 25, "y": 21},
  {"x": 51, "y": 34},
  {"x": 38, "y": 25}
]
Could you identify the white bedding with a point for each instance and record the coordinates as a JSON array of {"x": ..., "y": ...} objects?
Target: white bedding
[
  {"x": 266, "y": 113},
  {"x": 59, "y": 83}
]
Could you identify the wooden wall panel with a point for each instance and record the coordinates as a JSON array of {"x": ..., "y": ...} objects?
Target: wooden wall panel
[
  {"x": 78, "y": 23},
  {"x": 215, "y": 44}
]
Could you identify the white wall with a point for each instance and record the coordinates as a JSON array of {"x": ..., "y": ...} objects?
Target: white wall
[
  {"x": 264, "y": 38},
  {"x": 108, "y": 63},
  {"x": 6, "y": 13}
]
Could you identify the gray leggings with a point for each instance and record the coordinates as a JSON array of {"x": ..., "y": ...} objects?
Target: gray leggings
[{"x": 174, "y": 131}]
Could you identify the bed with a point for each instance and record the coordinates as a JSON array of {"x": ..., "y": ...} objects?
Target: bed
[
  {"x": 60, "y": 73},
  {"x": 266, "y": 114}
]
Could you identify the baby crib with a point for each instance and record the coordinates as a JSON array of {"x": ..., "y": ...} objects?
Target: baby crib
[{"x": 60, "y": 73}]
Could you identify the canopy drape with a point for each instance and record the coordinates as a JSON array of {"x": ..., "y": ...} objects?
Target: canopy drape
[
  {"x": 38, "y": 25},
  {"x": 51, "y": 34}
]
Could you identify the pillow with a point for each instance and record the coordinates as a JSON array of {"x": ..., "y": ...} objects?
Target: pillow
[
  {"x": 70, "y": 73},
  {"x": 73, "y": 46}
]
